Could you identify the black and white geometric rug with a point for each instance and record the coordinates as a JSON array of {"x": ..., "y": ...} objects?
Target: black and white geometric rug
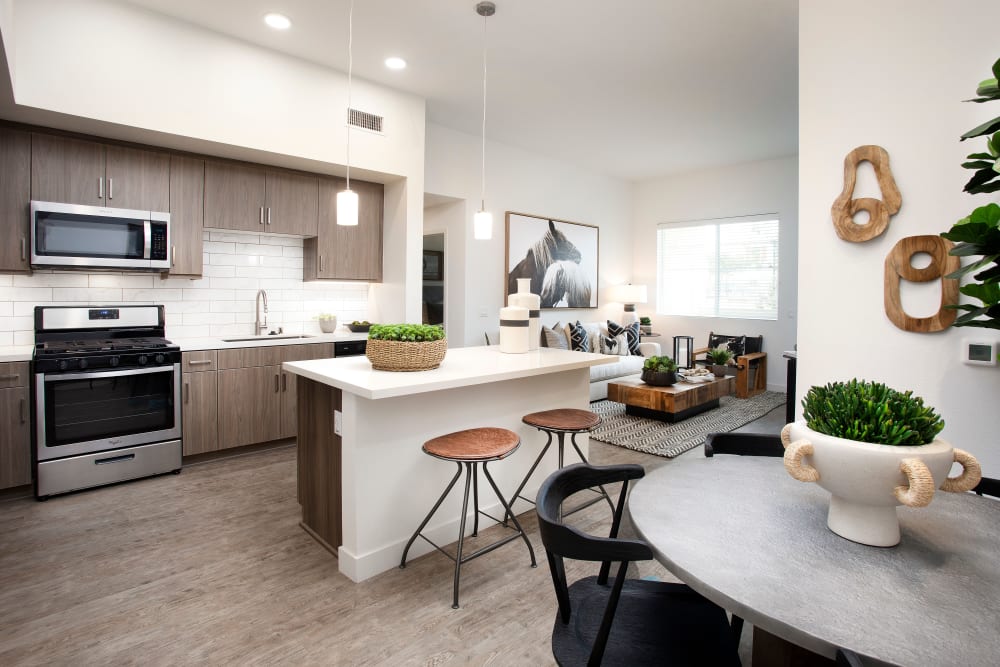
[{"x": 664, "y": 439}]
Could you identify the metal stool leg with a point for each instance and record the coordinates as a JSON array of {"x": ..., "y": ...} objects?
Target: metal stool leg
[
  {"x": 584, "y": 459},
  {"x": 402, "y": 562},
  {"x": 475, "y": 502},
  {"x": 508, "y": 511},
  {"x": 470, "y": 470},
  {"x": 531, "y": 471}
]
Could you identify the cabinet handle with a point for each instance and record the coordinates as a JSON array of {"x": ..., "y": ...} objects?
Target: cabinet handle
[
  {"x": 5, "y": 378},
  {"x": 22, "y": 411},
  {"x": 173, "y": 255},
  {"x": 262, "y": 215},
  {"x": 268, "y": 215},
  {"x": 100, "y": 187},
  {"x": 321, "y": 262},
  {"x": 276, "y": 383},
  {"x": 24, "y": 249},
  {"x": 284, "y": 382},
  {"x": 201, "y": 362},
  {"x": 111, "y": 188},
  {"x": 187, "y": 393}
]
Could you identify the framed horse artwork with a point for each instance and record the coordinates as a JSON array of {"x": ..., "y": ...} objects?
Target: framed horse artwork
[{"x": 559, "y": 257}]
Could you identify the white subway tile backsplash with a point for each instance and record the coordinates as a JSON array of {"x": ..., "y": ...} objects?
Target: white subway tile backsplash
[{"x": 220, "y": 304}]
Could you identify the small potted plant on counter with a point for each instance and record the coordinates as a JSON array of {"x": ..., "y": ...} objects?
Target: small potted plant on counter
[
  {"x": 327, "y": 322},
  {"x": 406, "y": 347},
  {"x": 873, "y": 448},
  {"x": 719, "y": 356},
  {"x": 659, "y": 371}
]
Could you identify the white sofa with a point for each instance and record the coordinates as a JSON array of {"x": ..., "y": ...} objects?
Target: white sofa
[{"x": 602, "y": 374}]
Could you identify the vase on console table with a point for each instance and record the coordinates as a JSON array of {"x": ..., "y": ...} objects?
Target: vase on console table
[
  {"x": 514, "y": 330},
  {"x": 523, "y": 298}
]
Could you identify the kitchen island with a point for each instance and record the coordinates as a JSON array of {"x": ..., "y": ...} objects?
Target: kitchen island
[{"x": 364, "y": 483}]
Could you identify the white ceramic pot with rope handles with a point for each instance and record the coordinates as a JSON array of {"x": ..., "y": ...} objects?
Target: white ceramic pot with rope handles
[{"x": 867, "y": 481}]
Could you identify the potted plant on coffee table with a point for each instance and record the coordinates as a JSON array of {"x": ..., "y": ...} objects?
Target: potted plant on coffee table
[
  {"x": 659, "y": 371},
  {"x": 720, "y": 357},
  {"x": 873, "y": 448},
  {"x": 406, "y": 347}
]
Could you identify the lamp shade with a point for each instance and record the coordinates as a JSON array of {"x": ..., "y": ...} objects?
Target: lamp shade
[
  {"x": 629, "y": 294},
  {"x": 347, "y": 207},
  {"x": 482, "y": 225}
]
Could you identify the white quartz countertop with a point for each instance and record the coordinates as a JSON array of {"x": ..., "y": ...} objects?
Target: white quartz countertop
[
  {"x": 16, "y": 352},
  {"x": 462, "y": 367},
  {"x": 192, "y": 344}
]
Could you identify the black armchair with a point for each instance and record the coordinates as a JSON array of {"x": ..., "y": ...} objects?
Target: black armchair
[
  {"x": 631, "y": 622},
  {"x": 749, "y": 361}
]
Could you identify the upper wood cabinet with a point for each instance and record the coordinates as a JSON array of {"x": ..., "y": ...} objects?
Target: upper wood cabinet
[
  {"x": 75, "y": 171},
  {"x": 253, "y": 199},
  {"x": 15, "y": 193},
  {"x": 187, "y": 215},
  {"x": 346, "y": 253}
]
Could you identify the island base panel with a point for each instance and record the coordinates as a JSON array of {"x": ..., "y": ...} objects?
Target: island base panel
[{"x": 319, "y": 462}]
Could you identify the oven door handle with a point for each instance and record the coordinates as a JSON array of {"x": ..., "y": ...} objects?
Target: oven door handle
[{"x": 55, "y": 377}]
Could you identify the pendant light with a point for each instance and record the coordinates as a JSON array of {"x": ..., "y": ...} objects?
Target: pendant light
[
  {"x": 482, "y": 223},
  {"x": 347, "y": 199}
]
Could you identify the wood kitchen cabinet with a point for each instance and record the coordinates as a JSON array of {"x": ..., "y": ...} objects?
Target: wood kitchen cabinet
[
  {"x": 76, "y": 171},
  {"x": 15, "y": 195},
  {"x": 187, "y": 215},
  {"x": 346, "y": 253},
  {"x": 200, "y": 402},
  {"x": 254, "y": 199},
  {"x": 15, "y": 429}
]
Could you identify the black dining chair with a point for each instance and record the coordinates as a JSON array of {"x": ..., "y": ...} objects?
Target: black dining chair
[
  {"x": 988, "y": 487},
  {"x": 743, "y": 444},
  {"x": 848, "y": 658},
  {"x": 630, "y": 621}
]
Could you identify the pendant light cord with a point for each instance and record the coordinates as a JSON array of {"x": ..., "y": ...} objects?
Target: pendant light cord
[
  {"x": 483, "y": 191},
  {"x": 350, "y": 69}
]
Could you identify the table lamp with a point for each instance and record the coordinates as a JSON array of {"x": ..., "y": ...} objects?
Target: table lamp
[{"x": 629, "y": 295}]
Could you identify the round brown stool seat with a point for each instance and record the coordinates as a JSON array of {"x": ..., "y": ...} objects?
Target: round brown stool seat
[
  {"x": 468, "y": 449},
  {"x": 474, "y": 444},
  {"x": 559, "y": 422},
  {"x": 563, "y": 419}
]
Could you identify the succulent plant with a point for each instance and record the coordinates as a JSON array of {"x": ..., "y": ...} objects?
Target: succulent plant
[
  {"x": 662, "y": 364},
  {"x": 870, "y": 412},
  {"x": 720, "y": 355},
  {"x": 412, "y": 333}
]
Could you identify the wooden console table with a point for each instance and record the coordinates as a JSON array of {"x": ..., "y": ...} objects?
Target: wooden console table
[{"x": 673, "y": 403}]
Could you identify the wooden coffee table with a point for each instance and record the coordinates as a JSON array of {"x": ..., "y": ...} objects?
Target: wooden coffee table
[{"x": 673, "y": 403}]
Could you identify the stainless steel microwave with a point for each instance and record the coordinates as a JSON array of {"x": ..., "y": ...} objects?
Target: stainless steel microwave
[{"x": 73, "y": 236}]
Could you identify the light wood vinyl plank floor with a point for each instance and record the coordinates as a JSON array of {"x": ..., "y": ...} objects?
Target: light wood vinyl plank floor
[{"x": 211, "y": 567}]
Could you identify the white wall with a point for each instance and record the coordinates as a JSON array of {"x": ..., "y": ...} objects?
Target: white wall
[
  {"x": 745, "y": 189},
  {"x": 134, "y": 74},
  {"x": 222, "y": 303},
  {"x": 527, "y": 183},
  {"x": 892, "y": 73}
]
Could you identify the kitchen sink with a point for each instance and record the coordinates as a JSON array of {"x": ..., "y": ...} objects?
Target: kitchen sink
[{"x": 266, "y": 337}]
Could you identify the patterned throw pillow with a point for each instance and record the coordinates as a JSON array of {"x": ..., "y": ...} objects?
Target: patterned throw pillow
[
  {"x": 555, "y": 337},
  {"x": 631, "y": 334},
  {"x": 736, "y": 344},
  {"x": 578, "y": 339}
]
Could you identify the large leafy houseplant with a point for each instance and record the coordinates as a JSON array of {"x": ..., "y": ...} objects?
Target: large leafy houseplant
[{"x": 978, "y": 233}]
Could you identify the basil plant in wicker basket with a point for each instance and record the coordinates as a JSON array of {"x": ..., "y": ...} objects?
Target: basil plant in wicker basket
[
  {"x": 873, "y": 448},
  {"x": 659, "y": 371},
  {"x": 977, "y": 234},
  {"x": 406, "y": 347}
]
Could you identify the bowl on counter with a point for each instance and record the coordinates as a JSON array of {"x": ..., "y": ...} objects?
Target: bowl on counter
[{"x": 359, "y": 328}]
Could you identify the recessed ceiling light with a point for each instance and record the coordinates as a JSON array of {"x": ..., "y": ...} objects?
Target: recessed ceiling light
[
  {"x": 395, "y": 63},
  {"x": 278, "y": 21}
]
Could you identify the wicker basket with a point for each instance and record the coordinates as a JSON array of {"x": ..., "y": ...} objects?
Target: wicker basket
[{"x": 397, "y": 355}]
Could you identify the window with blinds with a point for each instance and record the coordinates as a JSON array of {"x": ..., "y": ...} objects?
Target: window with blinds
[{"x": 718, "y": 268}]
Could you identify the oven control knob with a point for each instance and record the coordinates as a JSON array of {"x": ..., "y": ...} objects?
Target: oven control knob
[
  {"x": 160, "y": 358},
  {"x": 113, "y": 361},
  {"x": 143, "y": 359},
  {"x": 63, "y": 364},
  {"x": 83, "y": 364}
]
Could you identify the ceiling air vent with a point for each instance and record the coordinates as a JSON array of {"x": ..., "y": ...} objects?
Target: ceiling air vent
[{"x": 365, "y": 120}]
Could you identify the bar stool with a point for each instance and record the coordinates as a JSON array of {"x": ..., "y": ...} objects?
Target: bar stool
[
  {"x": 560, "y": 422},
  {"x": 469, "y": 448}
]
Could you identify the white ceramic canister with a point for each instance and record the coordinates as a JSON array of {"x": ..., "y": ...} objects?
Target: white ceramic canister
[
  {"x": 514, "y": 329},
  {"x": 525, "y": 299}
]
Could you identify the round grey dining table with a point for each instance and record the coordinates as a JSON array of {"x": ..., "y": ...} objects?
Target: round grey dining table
[{"x": 744, "y": 534}]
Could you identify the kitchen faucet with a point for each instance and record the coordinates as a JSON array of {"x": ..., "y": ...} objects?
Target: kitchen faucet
[{"x": 258, "y": 327}]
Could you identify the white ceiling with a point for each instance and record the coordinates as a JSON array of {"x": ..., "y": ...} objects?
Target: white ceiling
[{"x": 633, "y": 88}]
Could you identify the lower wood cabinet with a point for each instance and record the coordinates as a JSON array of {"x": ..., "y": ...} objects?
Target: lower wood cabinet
[
  {"x": 15, "y": 429},
  {"x": 242, "y": 396}
]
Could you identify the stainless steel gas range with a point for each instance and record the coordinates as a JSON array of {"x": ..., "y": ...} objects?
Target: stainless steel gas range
[{"x": 107, "y": 402}]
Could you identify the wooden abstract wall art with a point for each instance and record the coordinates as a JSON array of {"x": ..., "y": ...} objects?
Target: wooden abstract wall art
[
  {"x": 898, "y": 267},
  {"x": 846, "y": 206}
]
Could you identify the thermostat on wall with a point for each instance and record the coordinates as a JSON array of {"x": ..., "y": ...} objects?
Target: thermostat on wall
[{"x": 979, "y": 352}]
